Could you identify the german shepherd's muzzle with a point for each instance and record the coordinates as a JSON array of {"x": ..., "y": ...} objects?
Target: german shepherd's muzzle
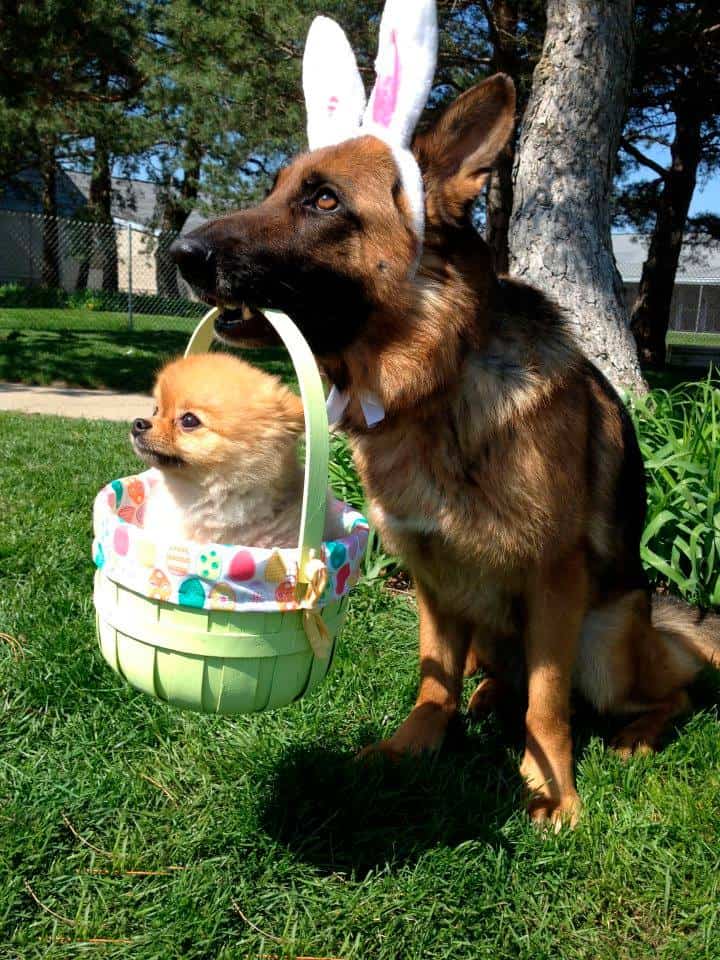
[{"x": 324, "y": 247}]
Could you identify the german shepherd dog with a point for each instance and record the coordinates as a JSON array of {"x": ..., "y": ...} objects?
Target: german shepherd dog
[{"x": 506, "y": 470}]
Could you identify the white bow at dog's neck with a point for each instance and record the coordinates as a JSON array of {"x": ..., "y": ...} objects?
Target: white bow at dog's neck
[
  {"x": 404, "y": 67},
  {"x": 370, "y": 404}
]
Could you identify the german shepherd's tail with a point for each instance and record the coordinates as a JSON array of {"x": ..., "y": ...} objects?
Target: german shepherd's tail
[{"x": 688, "y": 629}]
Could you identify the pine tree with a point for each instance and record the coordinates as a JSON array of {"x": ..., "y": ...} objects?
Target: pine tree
[
  {"x": 675, "y": 103},
  {"x": 65, "y": 66}
]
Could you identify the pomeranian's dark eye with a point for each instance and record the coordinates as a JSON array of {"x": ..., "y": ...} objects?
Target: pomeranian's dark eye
[
  {"x": 189, "y": 421},
  {"x": 325, "y": 200},
  {"x": 155, "y": 411}
]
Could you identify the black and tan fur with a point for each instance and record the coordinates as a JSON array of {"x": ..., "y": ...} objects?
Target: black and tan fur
[{"x": 506, "y": 470}]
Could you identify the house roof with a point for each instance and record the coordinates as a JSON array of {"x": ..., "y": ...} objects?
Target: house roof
[
  {"x": 135, "y": 201},
  {"x": 138, "y": 202},
  {"x": 699, "y": 263}
]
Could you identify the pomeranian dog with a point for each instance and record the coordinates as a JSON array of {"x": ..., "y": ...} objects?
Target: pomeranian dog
[{"x": 223, "y": 436}]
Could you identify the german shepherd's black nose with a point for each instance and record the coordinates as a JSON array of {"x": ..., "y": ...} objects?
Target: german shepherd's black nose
[{"x": 196, "y": 261}]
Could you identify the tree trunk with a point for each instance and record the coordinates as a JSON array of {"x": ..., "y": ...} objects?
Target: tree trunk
[
  {"x": 499, "y": 207},
  {"x": 174, "y": 217},
  {"x": 503, "y": 30},
  {"x": 651, "y": 311},
  {"x": 167, "y": 278},
  {"x": 51, "y": 231},
  {"x": 101, "y": 204},
  {"x": 103, "y": 237},
  {"x": 560, "y": 225},
  {"x": 83, "y": 277}
]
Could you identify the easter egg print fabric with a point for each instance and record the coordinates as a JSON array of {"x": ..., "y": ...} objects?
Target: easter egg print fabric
[{"x": 212, "y": 576}]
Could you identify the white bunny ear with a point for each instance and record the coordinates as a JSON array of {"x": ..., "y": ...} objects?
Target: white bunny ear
[
  {"x": 405, "y": 66},
  {"x": 334, "y": 91}
]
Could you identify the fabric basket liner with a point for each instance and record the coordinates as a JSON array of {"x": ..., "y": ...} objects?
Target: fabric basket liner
[{"x": 212, "y": 576}]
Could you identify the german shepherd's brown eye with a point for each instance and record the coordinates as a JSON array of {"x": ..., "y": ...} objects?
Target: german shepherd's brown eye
[
  {"x": 325, "y": 200},
  {"x": 189, "y": 421}
]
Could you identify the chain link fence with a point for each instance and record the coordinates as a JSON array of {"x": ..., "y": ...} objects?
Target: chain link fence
[
  {"x": 56, "y": 271},
  {"x": 695, "y": 307}
]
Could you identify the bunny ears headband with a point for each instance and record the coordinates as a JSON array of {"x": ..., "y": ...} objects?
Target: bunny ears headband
[{"x": 404, "y": 67}]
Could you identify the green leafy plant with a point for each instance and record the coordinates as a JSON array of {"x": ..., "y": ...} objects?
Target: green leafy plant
[
  {"x": 679, "y": 433},
  {"x": 346, "y": 485}
]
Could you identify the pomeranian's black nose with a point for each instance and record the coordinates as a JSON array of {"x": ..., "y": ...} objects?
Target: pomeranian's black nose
[
  {"x": 140, "y": 426},
  {"x": 196, "y": 261}
]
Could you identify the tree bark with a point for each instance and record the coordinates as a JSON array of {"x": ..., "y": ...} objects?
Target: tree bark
[
  {"x": 499, "y": 208},
  {"x": 651, "y": 311},
  {"x": 560, "y": 224},
  {"x": 175, "y": 214},
  {"x": 503, "y": 22},
  {"x": 101, "y": 204},
  {"x": 51, "y": 231},
  {"x": 100, "y": 211}
]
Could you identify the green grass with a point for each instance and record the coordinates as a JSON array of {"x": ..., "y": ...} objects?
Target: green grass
[
  {"x": 687, "y": 338},
  {"x": 94, "y": 348},
  {"x": 86, "y": 348},
  {"x": 171, "y": 835},
  {"x": 95, "y": 321}
]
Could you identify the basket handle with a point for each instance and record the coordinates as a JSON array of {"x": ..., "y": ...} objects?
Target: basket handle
[{"x": 314, "y": 502}]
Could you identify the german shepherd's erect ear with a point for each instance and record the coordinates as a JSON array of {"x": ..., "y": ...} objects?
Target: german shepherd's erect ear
[{"x": 458, "y": 152}]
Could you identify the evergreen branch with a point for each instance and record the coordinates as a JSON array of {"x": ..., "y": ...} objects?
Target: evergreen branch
[
  {"x": 633, "y": 151},
  {"x": 492, "y": 25}
]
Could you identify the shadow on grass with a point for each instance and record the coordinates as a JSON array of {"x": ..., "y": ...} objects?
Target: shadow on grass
[
  {"x": 339, "y": 814},
  {"x": 116, "y": 360}
]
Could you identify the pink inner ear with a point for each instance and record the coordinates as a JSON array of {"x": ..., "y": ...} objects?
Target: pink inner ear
[
  {"x": 332, "y": 105},
  {"x": 386, "y": 89}
]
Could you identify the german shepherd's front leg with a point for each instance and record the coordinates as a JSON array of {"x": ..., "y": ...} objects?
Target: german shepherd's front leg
[
  {"x": 556, "y": 608},
  {"x": 444, "y": 642}
]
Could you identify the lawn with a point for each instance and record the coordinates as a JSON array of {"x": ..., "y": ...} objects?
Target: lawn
[
  {"x": 54, "y": 318},
  {"x": 94, "y": 348},
  {"x": 128, "y": 829},
  {"x": 87, "y": 348},
  {"x": 687, "y": 338}
]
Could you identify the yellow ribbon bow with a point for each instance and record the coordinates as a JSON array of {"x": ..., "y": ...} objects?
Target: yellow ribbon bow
[{"x": 315, "y": 628}]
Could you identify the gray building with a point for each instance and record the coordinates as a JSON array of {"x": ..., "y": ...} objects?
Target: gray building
[
  {"x": 133, "y": 201},
  {"x": 137, "y": 213},
  {"x": 83, "y": 247},
  {"x": 696, "y": 299}
]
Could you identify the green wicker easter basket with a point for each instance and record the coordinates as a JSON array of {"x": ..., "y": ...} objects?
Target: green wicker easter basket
[{"x": 221, "y": 628}]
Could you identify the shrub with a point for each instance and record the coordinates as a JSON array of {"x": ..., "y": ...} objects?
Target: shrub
[
  {"x": 25, "y": 296},
  {"x": 679, "y": 433},
  {"x": 20, "y": 295}
]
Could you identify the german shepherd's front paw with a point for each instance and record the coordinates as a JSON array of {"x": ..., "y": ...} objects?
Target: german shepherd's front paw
[
  {"x": 553, "y": 801},
  {"x": 423, "y": 732},
  {"x": 553, "y": 812}
]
